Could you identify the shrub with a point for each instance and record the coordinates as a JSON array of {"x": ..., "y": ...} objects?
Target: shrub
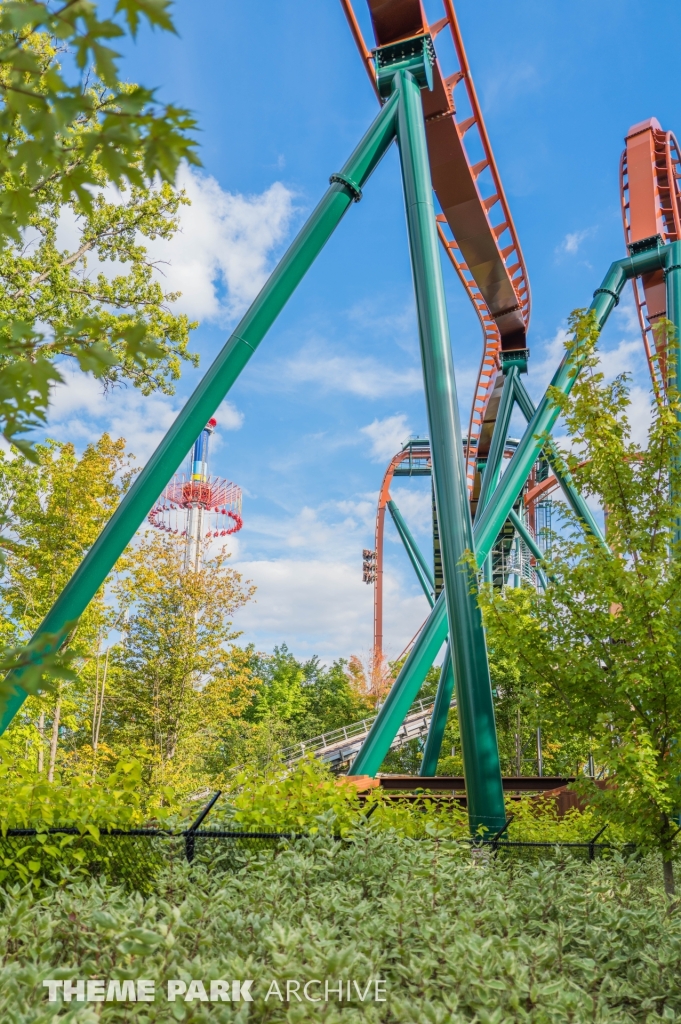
[
  {"x": 88, "y": 807},
  {"x": 455, "y": 943},
  {"x": 309, "y": 796}
]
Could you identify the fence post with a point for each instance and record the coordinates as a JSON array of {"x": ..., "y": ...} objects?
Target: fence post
[
  {"x": 592, "y": 842},
  {"x": 190, "y": 834},
  {"x": 499, "y": 834}
]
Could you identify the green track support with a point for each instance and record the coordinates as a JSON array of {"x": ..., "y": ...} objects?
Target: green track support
[
  {"x": 562, "y": 474},
  {"x": 130, "y": 514},
  {"x": 469, "y": 654},
  {"x": 421, "y": 567},
  {"x": 489, "y": 523},
  {"x": 490, "y": 477},
  {"x": 438, "y": 723},
  {"x": 530, "y": 542},
  {"x": 673, "y": 282}
]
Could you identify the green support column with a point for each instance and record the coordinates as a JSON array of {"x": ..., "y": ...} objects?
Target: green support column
[
  {"x": 489, "y": 523},
  {"x": 673, "y": 281},
  {"x": 130, "y": 514},
  {"x": 563, "y": 476},
  {"x": 490, "y": 478},
  {"x": 421, "y": 567},
  {"x": 487, "y": 526},
  {"x": 469, "y": 654},
  {"x": 530, "y": 542},
  {"x": 438, "y": 723}
]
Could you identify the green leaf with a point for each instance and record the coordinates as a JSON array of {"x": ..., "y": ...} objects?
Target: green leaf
[{"x": 155, "y": 11}]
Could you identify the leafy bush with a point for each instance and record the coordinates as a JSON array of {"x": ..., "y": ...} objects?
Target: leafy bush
[
  {"x": 455, "y": 943},
  {"x": 28, "y": 801},
  {"x": 309, "y": 796},
  {"x": 292, "y": 801}
]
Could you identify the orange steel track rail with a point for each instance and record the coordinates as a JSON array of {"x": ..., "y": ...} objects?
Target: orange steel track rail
[
  {"x": 476, "y": 229},
  {"x": 419, "y": 454},
  {"x": 414, "y": 453},
  {"x": 650, "y": 169}
]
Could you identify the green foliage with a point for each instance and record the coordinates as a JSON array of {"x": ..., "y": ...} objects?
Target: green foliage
[
  {"x": 91, "y": 806},
  {"x": 82, "y": 147},
  {"x": 454, "y": 943},
  {"x": 293, "y": 801},
  {"x": 175, "y": 675},
  {"x": 306, "y": 696},
  {"x": 309, "y": 797},
  {"x": 52, "y": 512},
  {"x": 598, "y": 653}
]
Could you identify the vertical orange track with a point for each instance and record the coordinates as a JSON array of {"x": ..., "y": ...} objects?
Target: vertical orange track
[
  {"x": 650, "y": 170},
  {"x": 383, "y": 499}
]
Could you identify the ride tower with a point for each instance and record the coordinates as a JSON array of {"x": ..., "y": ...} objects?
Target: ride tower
[{"x": 196, "y": 505}]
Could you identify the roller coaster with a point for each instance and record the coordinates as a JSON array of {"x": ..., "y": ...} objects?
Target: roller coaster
[{"x": 456, "y": 203}]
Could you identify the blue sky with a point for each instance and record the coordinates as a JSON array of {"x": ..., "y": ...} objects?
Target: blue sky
[{"x": 282, "y": 98}]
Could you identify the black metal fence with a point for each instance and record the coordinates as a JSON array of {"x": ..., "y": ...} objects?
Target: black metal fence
[
  {"x": 136, "y": 858},
  {"x": 526, "y": 850}
]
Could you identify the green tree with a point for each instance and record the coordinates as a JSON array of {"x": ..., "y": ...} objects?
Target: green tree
[
  {"x": 600, "y": 648},
  {"x": 306, "y": 695},
  {"x": 72, "y": 132},
  {"x": 175, "y": 674},
  {"x": 53, "y": 512}
]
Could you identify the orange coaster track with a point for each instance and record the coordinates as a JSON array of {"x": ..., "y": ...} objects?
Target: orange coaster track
[
  {"x": 415, "y": 454},
  {"x": 475, "y": 226},
  {"x": 650, "y": 169}
]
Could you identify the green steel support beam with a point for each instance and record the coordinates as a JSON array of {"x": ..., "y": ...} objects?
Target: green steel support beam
[
  {"x": 562, "y": 474},
  {"x": 436, "y": 730},
  {"x": 119, "y": 531},
  {"x": 489, "y": 523},
  {"x": 530, "y": 542},
  {"x": 487, "y": 526},
  {"x": 673, "y": 281},
  {"x": 421, "y": 567},
  {"x": 475, "y": 705},
  {"x": 490, "y": 477}
]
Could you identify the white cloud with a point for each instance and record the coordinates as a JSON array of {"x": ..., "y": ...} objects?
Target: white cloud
[
  {"x": 323, "y": 607},
  {"x": 572, "y": 241},
  {"x": 80, "y": 411},
  {"x": 308, "y": 571},
  {"x": 363, "y": 376},
  {"x": 229, "y": 417},
  {"x": 336, "y": 529},
  {"x": 416, "y": 508},
  {"x": 627, "y": 357},
  {"x": 639, "y": 414},
  {"x": 625, "y": 314},
  {"x": 225, "y": 244},
  {"x": 222, "y": 252},
  {"x": 387, "y": 436},
  {"x": 399, "y": 325}
]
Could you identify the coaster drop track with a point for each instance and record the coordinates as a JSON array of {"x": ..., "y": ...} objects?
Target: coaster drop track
[{"x": 475, "y": 223}]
